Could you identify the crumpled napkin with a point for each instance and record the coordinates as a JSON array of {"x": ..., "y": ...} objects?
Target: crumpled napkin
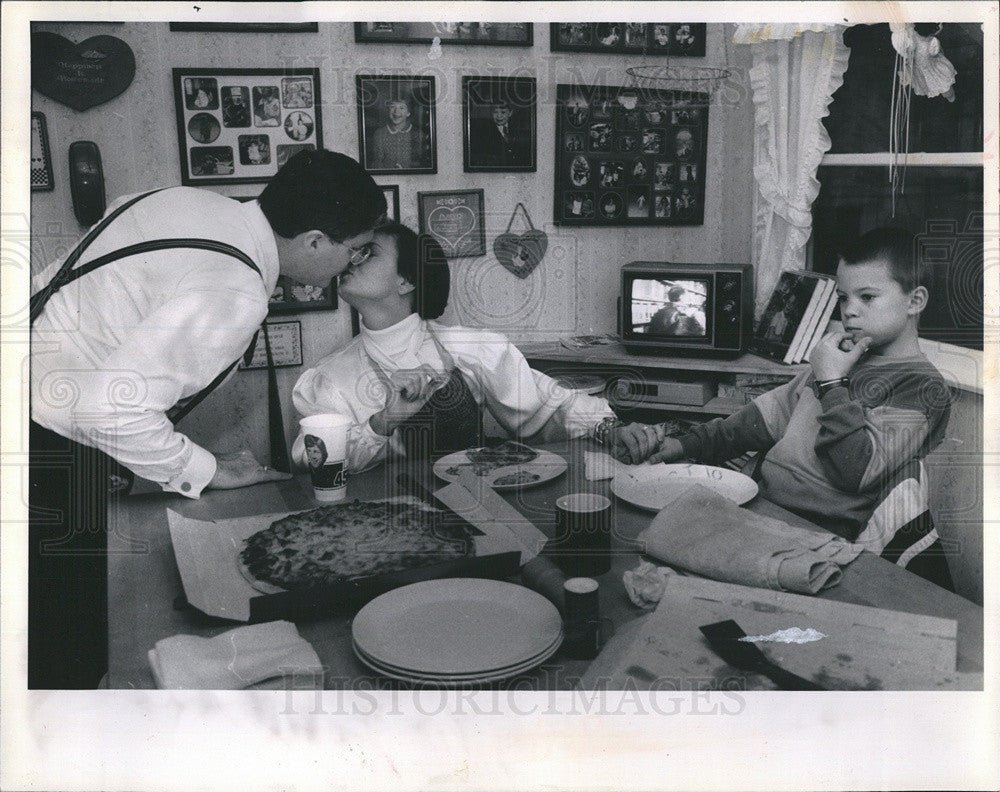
[
  {"x": 703, "y": 532},
  {"x": 258, "y": 656},
  {"x": 645, "y": 584}
]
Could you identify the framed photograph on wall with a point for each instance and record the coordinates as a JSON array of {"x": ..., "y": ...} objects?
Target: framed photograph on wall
[
  {"x": 396, "y": 124},
  {"x": 499, "y": 123},
  {"x": 502, "y": 34},
  {"x": 286, "y": 347},
  {"x": 391, "y": 193},
  {"x": 238, "y": 126},
  {"x": 629, "y": 157},
  {"x": 455, "y": 219},
  {"x": 657, "y": 38}
]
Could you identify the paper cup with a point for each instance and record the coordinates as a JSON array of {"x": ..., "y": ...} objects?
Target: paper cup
[
  {"x": 582, "y": 546},
  {"x": 325, "y": 439}
]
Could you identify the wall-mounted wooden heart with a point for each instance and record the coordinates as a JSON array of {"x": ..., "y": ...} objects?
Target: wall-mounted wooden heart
[
  {"x": 81, "y": 75},
  {"x": 521, "y": 253}
]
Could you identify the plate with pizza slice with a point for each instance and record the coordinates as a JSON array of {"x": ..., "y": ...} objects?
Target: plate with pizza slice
[{"x": 506, "y": 466}]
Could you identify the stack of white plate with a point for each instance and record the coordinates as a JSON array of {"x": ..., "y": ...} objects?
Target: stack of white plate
[{"x": 456, "y": 631}]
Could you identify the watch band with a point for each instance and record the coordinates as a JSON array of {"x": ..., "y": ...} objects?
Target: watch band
[{"x": 822, "y": 388}]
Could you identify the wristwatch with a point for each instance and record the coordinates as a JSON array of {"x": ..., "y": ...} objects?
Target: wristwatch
[
  {"x": 603, "y": 430},
  {"x": 821, "y": 388}
]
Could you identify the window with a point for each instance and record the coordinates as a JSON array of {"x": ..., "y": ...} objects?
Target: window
[{"x": 942, "y": 198}]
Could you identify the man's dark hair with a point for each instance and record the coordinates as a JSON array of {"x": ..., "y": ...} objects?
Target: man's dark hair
[
  {"x": 675, "y": 293},
  {"x": 421, "y": 261},
  {"x": 898, "y": 248},
  {"x": 325, "y": 191}
]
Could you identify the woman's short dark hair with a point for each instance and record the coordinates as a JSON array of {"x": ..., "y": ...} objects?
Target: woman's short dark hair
[
  {"x": 422, "y": 262},
  {"x": 325, "y": 191}
]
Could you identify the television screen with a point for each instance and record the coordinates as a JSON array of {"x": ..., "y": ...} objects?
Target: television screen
[{"x": 667, "y": 307}]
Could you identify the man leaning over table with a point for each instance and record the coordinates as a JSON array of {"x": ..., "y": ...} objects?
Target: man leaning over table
[{"x": 119, "y": 353}]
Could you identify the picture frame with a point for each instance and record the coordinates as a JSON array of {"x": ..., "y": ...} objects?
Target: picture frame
[
  {"x": 684, "y": 39},
  {"x": 239, "y": 126},
  {"x": 286, "y": 347},
  {"x": 629, "y": 157},
  {"x": 497, "y": 34},
  {"x": 455, "y": 218},
  {"x": 391, "y": 193},
  {"x": 499, "y": 123},
  {"x": 42, "y": 178},
  {"x": 397, "y": 125},
  {"x": 244, "y": 27}
]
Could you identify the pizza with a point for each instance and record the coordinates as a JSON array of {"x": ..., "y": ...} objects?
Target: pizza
[
  {"x": 512, "y": 479},
  {"x": 350, "y": 540},
  {"x": 510, "y": 452}
]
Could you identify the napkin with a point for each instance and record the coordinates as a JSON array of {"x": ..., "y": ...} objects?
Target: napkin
[
  {"x": 646, "y": 583},
  {"x": 260, "y": 656},
  {"x": 708, "y": 534},
  {"x": 599, "y": 466}
]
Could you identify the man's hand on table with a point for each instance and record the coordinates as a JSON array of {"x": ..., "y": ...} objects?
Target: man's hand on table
[{"x": 241, "y": 469}]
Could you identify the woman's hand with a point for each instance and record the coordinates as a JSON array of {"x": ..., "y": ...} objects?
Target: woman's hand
[
  {"x": 635, "y": 442},
  {"x": 408, "y": 391}
]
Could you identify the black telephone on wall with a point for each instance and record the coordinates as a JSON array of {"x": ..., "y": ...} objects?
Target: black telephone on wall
[{"x": 86, "y": 180}]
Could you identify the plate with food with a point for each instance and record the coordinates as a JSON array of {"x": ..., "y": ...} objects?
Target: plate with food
[
  {"x": 343, "y": 541},
  {"x": 652, "y": 487},
  {"x": 508, "y": 465}
]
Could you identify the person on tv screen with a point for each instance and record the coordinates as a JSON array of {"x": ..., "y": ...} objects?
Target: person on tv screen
[{"x": 674, "y": 319}]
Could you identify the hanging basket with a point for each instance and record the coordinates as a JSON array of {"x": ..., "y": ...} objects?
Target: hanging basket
[{"x": 697, "y": 83}]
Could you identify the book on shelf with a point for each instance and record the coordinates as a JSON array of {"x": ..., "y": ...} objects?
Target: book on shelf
[
  {"x": 779, "y": 333},
  {"x": 808, "y": 324},
  {"x": 822, "y": 323}
]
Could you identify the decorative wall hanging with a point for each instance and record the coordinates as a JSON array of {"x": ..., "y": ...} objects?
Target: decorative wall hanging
[
  {"x": 521, "y": 253},
  {"x": 658, "y": 38},
  {"x": 396, "y": 124},
  {"x": 505, "y": 34},
  {"x": 286, "y": 347},
  {"x": 455, "y": 220},
  {"x": 245, "y": 27},
  {"x": 391, "y": 193},
  {"x": 238, "y": 126},
  {"x": 81, "y": 75},
  {"x": 41, "y": 158},
  {"x": 626, "y": 156},
  {"x": 498, "y": 116}
]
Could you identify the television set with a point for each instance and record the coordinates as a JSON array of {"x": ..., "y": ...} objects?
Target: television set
[{"x": 696, "y": 310}]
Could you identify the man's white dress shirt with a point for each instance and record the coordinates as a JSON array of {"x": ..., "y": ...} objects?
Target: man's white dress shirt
[{"x": 117, "y": 348}]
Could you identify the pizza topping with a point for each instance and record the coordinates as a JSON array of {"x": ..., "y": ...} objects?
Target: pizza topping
[
  {"x": 509, "y": 452},
  {"x": 348, "y": 540}
]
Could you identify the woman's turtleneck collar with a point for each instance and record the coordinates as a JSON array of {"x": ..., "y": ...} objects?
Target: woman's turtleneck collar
[{"x": 398, "y": 345}]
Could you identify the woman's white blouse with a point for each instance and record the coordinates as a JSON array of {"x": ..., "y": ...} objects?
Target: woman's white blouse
[{"x": 523, "y": 401}]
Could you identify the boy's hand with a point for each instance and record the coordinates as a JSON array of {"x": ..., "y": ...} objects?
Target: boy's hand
[
  {"x": 634, "y": 443},
  {"x": 836, "y": 353}
]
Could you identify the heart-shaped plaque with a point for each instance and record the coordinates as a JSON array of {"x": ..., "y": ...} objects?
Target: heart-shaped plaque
[
  {"x": 451, "y": 226},
  {"x": 81, "y": 75},
  {"x": 521, "y": 253}
]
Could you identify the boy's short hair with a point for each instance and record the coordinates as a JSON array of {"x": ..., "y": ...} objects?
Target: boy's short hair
[
  {"x": 325, "y": 191},
  {"x": 898, "y": 248},
  {"x": 675, "y": 293},
  {"x": 422, "y": 262}
]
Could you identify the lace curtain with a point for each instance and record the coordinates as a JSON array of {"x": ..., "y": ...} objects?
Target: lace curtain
[{"x": 796, "y": 69}]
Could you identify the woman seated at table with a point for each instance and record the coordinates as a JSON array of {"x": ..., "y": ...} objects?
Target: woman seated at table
[{"x": 414, "y": 386}]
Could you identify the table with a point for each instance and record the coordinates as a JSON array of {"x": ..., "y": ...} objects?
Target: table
[{"x": 144, "y": 584}]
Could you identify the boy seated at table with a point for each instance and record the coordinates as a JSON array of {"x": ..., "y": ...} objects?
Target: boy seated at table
[
  {"x": 416, "y": 387},
  {"x": 844, "y": 441}
]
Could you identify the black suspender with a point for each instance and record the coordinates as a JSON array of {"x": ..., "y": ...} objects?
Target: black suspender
[{"x": 67, "y": 274}]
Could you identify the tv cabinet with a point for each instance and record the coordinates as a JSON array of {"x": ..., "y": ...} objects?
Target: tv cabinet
[{"x": 611, "y": 362}]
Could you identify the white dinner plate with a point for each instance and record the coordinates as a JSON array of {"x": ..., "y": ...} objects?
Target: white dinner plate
[
  {"x": 655, "y": 486},
  {"x": 544, "y": 467},
  {"x": 456, "y": 626},
  {"x": 405, "y": 675}
]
